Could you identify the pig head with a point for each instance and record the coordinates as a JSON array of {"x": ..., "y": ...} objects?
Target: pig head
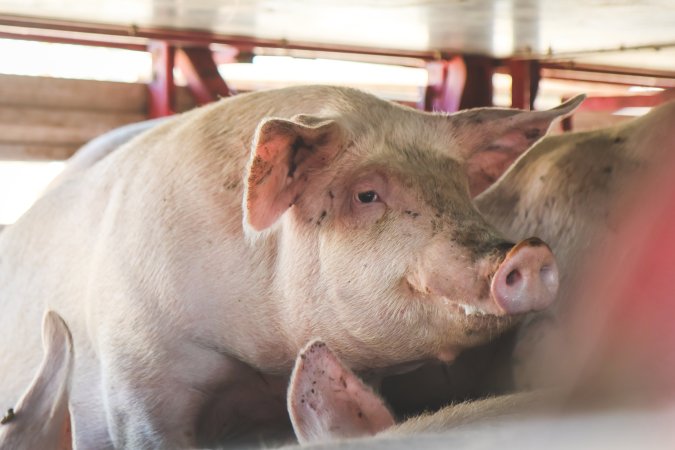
[{"x": 376, "y": 226}]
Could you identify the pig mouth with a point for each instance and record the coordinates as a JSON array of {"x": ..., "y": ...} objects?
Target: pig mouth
[{"x": 477, "y": 323}]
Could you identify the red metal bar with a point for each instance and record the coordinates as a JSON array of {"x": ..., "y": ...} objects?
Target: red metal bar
[
  {"x": 446, "y": 84},
  {"x": 524, "y": 83},
  {"x": 191, "y": 37},
  {"x": 478, "y": 89},
  {"x": 608, "y": 74},
  {"x": 614, "y": 103},
  {"x": 201, "y": 72},
  {"x": 162, "y": 89}
]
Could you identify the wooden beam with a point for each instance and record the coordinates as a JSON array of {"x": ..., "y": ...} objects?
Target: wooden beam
[
  {"x": 67, "y": 117},
  {"x": 63, "y": 93},
  {"x": 36, "y": 152}
]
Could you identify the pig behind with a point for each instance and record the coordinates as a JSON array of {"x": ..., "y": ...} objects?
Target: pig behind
[
  {"x": 574, "y": 190},
  {"x": 571, "y": 190}
]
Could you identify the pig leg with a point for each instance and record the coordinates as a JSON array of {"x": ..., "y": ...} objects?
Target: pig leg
[
  {"x": 192, "y": 396},
  {"x": 41, "y": 419},
  {"x": 327, "y": 401}
]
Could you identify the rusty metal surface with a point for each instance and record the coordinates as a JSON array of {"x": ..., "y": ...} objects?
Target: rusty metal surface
[{"x": 489, "y": 27}]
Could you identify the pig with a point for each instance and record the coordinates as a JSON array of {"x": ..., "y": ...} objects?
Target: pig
[
  {"x": 570, "y": 190},
  {"x": 40, "y": 419},
  {"x": 194, "y": 261},
  {"x": 327, "y": 401}
]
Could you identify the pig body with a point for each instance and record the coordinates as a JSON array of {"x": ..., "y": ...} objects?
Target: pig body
[
  {"x": 572, "y": 190},
  {"x": 101, "y": 146},
  {"x": 607, "y": 429},
  {"x": 193, "y": 262}
]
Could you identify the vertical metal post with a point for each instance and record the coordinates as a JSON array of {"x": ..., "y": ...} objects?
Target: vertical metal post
[
  {"x": 162, "y": 90},
  {"x": 201, "y": 73},
  {"x": 478, "y": 90},
  {"x": 525, "y": 77},
  {"x": 445, "y": 86}
]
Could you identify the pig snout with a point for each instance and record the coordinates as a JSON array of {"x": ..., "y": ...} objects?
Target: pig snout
[{"x": 527, "y": 278}]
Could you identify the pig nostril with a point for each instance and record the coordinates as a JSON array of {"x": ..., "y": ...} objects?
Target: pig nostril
[{"x": 513, "y": 277}]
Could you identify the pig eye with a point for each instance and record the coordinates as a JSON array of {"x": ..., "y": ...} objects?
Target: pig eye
[{"x": 367, "y": 197}]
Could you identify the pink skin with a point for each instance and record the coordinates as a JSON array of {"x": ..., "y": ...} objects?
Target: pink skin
[{"x": 327, "y": 401}]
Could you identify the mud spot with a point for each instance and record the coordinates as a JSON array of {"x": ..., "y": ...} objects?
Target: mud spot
[
  {"x": 231, "y": 185},
  {"x": 260, "y": 171},
  {"x": 321, "y": 217},
  {"x": 292, "y": 166},
  {"x": 8, "y": 417},
  {"x": 532, "y": 134}
]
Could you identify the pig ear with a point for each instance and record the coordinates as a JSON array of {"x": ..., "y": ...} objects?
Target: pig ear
[
  {"x": 41, "y": 418},
  {"x": 285, "y": 152},
  {"x": 327, "y": 401},
  {"x": 493, "y": 138}
]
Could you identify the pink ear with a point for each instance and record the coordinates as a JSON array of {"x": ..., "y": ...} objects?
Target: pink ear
[
  {"x": 494, "y": 138},
  {"x": 42, "y": 419},
  {"x": 284, "y": 153},
  {"x": 327, "y": 401}
]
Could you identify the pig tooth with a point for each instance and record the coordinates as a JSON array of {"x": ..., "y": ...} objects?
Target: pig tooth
[{"x": 471, "y": 310}]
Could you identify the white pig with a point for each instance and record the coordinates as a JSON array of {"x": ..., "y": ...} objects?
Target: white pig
[
  {"x": 194, "y": 262},
  {"x": 572, "y": 191}
]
